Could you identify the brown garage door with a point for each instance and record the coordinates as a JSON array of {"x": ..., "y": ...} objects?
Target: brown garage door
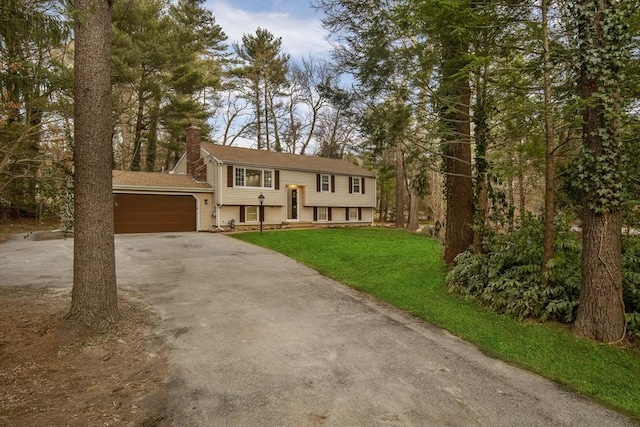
[{"x": 150, "y": 213}]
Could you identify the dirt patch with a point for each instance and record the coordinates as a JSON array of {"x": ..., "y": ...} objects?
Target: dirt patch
[{"x": 117, "y": 378}]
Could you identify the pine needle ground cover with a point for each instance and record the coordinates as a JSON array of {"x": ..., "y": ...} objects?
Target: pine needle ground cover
[{"x": 406, "y": 270}]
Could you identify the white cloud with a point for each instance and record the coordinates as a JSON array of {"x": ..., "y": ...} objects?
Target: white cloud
[{"x": 301, "y": 36}]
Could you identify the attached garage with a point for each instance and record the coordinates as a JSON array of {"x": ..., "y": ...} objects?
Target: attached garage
[
  {"x": 148, "y": 202},
  {"x": 153, "y": 213}
]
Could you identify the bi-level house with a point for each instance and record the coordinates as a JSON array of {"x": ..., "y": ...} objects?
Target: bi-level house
[{"x": 217, "y": 187}]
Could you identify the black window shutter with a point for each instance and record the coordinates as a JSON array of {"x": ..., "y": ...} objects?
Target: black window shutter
[
  {"x": 229, "y": 176},
  {"x": 362, "y": 185},
  {"x": 315, "y": 213},
  {"x": 277, "y": 180},
  {"x": 329, "y": 214},
  {"x": 318, "y": 182},
  {"x": 242, "y": 211},
  {"x": 333, "y": 183},
  {"x": 350, "y": 184},
  {"x": 346, "y": 214},
  {"x": 359, "y": 214}
]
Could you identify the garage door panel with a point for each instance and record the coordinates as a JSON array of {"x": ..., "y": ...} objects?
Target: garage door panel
[{"x": 151, "y": 213}]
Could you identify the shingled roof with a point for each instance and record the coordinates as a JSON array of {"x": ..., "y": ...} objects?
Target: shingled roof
[
  {"x": 263, "y": 158},
  {"x": 129, "y": 179}
]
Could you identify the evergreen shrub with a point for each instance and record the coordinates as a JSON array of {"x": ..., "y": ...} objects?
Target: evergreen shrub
[{"x": 507, "y": 276}]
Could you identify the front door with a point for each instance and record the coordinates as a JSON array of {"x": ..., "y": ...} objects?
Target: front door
[{"x": 292, "y": 204}]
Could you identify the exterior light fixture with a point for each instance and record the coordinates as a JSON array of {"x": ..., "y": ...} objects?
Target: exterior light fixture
[{"x": 261, "y": 199}]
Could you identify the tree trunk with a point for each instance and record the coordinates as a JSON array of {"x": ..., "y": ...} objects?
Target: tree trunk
[
  {"x": 400, "y": 178},
  {"x": 456, "y": 95},
  {"x": 413, "y": 210},
  {"x": 601, "y": 311},
  {"x": 137, "y": 137},
  {"x": 94, "y": 296},
  {"x": 458, "y": 181},
  {"x": 550, "y": 171},
  {"x": 522, "y": 195},
  {"x": 152, "y": 139},
  {"x": 482, "y": 142}
]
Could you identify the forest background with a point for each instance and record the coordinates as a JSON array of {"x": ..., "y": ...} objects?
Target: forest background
[{"x": 503, "y": 124}]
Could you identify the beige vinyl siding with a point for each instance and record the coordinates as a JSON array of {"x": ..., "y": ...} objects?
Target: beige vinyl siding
[
  {"x": 341, "y": 195},
  {"x": 273, "y": 215},
  {"x": 204, "y": 211},
  {"x": 181, "y": 167},
  {"x": 309, "y": 196}
]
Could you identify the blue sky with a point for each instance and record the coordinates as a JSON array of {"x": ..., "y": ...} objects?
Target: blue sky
[{"x": 295, "y": 21}]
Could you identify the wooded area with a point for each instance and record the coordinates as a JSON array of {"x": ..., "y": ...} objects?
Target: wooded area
[{"x": 481, "y": 117}]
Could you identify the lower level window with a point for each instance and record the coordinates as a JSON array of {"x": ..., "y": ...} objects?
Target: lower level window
[
  {"x": 252, "y": 213},
  {"x": 353, "y": 214},
  {"x": 322, "y": 214}
]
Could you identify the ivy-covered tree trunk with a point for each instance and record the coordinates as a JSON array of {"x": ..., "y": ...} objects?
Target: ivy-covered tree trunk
[
  {"x": 550, "y": 170},
  {"x": 601, "y": 43},
  {"x": 94, "y": 295}
]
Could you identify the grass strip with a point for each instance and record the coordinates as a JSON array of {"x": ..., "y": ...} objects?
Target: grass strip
[{"x": 406, "y": 270}]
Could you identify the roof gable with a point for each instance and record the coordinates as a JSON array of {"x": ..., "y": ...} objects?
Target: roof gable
[{"x": 273, "y": 159}]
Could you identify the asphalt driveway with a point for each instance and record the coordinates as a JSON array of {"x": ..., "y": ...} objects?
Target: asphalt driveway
[{"x": 257, "y": 339}]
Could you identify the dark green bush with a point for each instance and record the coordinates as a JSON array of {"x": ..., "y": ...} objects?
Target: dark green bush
[{"x": 507, "y": 277}]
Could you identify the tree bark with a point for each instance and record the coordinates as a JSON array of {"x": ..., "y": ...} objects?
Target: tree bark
[
  {"x": 550, "y": 171},
  {"x": 455, "y": 94},
  {"x": 458, "y": 181},
  {"x": 137, "y": 138},
  {"x": 94, "y": 295},
  {"x": 400, "y": 179},
  {"x": 414, "y": 202},
  {"x": 601, "y": 311}
]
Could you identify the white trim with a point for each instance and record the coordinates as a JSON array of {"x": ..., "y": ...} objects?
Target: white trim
[
  {"x": 326, "y": 213},
  {"x": 322, "y": 190},
  {"x": 251, "y": 187}
]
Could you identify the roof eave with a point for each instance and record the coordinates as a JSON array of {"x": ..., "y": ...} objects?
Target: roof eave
[{"x": 126, "y": 187}]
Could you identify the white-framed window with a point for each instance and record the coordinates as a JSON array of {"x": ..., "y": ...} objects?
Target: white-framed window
[
  {"x": 252, "y": 213},
  {"x": 268, "y": 179},
  {"x": 325, "y": 183},
  {"x": 353, "y": 214},
  {"x": 355, "y": 185},
  {"x": 254, "y": 178},
  {"x": 323, "y": 214},
  {"x": 239, "y": 177}
]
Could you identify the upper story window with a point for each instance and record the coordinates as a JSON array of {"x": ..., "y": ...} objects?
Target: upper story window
[
  {"x": 259, "y": 178},
  {"x": 325, "y": 183},
  {"x": 356, "y": 186}
]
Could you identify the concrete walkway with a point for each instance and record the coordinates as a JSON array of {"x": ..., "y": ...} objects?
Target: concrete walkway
[{"x": 257, "y": 339}]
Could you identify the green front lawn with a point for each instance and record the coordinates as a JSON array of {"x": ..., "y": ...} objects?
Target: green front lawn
[{"x": 406, "y": 270}]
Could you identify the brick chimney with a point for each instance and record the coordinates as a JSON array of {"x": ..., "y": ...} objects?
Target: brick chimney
[{"x": 195, "y": 165}]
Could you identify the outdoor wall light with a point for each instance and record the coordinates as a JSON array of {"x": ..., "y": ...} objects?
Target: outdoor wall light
[{"x": 206, "y": 201}]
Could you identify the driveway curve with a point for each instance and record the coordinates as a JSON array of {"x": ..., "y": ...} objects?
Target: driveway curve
[{"x": 257, "y": 339}]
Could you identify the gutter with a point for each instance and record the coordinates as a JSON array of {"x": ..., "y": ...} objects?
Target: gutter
[{"x": 146, "y": 188}]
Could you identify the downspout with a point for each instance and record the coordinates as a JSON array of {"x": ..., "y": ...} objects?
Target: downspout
[
  {"x": 217, "y": 190},
  {"x": 219, "y": 195},
  {"x": 375, "y": 200}
]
